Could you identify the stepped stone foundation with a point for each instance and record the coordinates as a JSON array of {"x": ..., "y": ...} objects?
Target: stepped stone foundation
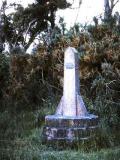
[{"x": 71, "y": 122}]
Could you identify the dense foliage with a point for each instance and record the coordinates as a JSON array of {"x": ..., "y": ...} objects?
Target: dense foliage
[
  {"x": 25, "y": 24},
  {"x": 35, "y": 78},
  {"x": 31, "y": 87}
]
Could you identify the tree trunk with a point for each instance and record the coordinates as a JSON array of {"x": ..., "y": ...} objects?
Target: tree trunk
[{"x": 107, "y": 13}]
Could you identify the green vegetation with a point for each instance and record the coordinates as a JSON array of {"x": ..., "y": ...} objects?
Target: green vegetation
[
  {"x": 27, "y": 143},
  {"x": 30, "y": 22},
  {"x": 31, "y": 87}
]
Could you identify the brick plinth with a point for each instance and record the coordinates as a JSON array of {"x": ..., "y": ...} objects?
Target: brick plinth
[{"x": 69, "y": 129}]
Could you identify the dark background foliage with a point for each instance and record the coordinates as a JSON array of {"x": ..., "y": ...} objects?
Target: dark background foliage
[{"x": 31, "y": 85}]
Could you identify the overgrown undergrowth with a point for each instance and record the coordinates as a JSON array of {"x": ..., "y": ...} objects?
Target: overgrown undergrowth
[
  {"x": 31, "y": 87},
  {"x": 23, "y": 139}
]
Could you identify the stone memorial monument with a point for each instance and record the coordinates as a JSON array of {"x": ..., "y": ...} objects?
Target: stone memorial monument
[{"x": 71, "y": 122}]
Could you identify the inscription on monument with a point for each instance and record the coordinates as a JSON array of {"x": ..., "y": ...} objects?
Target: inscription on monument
[{"x": 69, "y": 66}]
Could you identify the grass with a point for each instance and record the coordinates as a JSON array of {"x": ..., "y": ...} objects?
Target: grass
[
  {"x": 76, "y": 155},
  {"x": 37, "y": 154},
  {"x": 31, "y": 148},
  {"x": 27, "y": 142}
]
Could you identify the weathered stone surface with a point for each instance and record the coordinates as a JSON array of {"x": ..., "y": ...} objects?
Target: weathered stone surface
[
  {"x": 55, "y": 132},
  {"x": 71, "y": 103},
  {"x": 67, "y": 121},
  {"x": 68, "y": 128},
  {"x": 71, "y": 122}
]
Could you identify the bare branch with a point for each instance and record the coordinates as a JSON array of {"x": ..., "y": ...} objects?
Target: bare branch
[
  {"x": 116, "y": 2},
  {"x": 80, "y": 2},
  {"x": 29, "y": 28},
  {"x": 113, "y": 3}
]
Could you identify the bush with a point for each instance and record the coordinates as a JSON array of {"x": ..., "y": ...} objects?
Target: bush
[{"x": 32, "y": 82}]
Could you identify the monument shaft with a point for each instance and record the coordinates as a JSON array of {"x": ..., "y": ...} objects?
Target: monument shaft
[
  {"x": 71, "y": 103},
  {"x": 69, "y": 89},
  {"x": 71, "y": 122}
]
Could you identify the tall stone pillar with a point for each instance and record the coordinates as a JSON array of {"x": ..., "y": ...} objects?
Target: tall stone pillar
[
  {"x": 71, "y": 103},
  {"x": 71, "y": 121}
]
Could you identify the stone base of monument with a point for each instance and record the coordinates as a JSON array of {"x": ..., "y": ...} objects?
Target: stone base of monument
[
  {"x": 69, "y": 130},
  {"x": 68, "y": 125}
]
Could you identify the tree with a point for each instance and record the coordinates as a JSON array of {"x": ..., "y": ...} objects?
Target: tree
[
  {"x": 23, "y": 26},
  {"x": 109, "y": 6}
]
